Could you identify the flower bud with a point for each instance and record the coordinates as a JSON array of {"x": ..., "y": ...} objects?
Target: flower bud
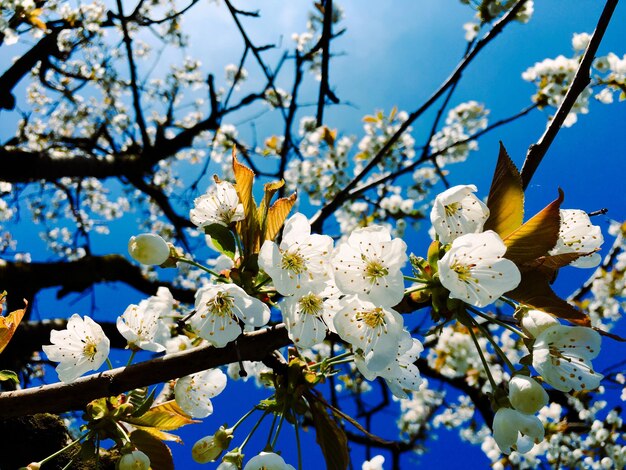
[
  {"x": 211, "y": 447},
  {"x": 136, "y": 460},
  {"x": 534, "y": 322},
  {"x": 513, "y": 430},
  {"x": 526, "y": 394},
  {"x": 149, "y": 248}
]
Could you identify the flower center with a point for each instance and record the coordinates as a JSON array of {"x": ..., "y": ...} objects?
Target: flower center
[
  {"x": 90, "y": 349},
  {"x": 221, "y": 305},
  {"x": 464, "y": 272},
  {"x": 452, "y": 208},
  {"x": 311, "y": 304},
  {"x": 374, "y": 269},
  {"x": 372, "y": 318},
  {"x": 293, "y": 262}
]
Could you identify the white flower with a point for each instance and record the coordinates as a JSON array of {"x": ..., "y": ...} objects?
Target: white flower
[
  {"x": 578, "y": 235},
  {"x": 514, "y": 430},
  {"x": 309, "y": 315},
  {"x": 369, "y": 265},
  {"x": 562, "y": 355},
  {"x": 456, "y": 212},
  {"x": 136, "y": 460},
  {"x": 267, "y": 461},
  {"x": 139, "y": 324},
  {"x": 376, "y": 463},
  {"x": 580, "y": 41},
  {"x": 475, "y": 271},
  {"x": 220, "y": 205},
  {"x": 219, "y": 309},
  {"x": 301, "y": 259},
  {"x": 374, "y": 330},
  {"x": 193, "y": 392},
  {"x": 149, "y": 248},
  {"x": 534, "y": 322},
  {"x": 82, "y": 347},
  {"x": 526, "y": 394},
  {"x": 211, "y": 447},
  {"x": 402, "y": 374}
]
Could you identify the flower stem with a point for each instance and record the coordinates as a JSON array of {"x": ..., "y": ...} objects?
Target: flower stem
[
  {"x": 495, "y": 345},
  {"x": 497, "y": 321},
  {"x": 60, "y": 451},
  {"x": 245, "y": 441},
  {"x": 198, "y": 265},
  {"x": 298, "y": 444},
  {"x": 109, "y": 364},
  {"x": 279, "y": 427},
  {"x": 132, "y": 356},
  {"x": 243, "y": 418},
  {"x": 482, "y": 358}
]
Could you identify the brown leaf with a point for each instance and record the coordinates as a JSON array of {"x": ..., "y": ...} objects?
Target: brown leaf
[
  {"x": 330, "y": 437},
  {"x": 550, "y": 264},
  {"x": 159, "y": 454},
  {"x": 534, "y": 291},
  {"x": 277, "y": 214},
  {"x": 506, "y": 197},
  {"x": 9, "y": 324},
  {"x": 537, "y": 236}
]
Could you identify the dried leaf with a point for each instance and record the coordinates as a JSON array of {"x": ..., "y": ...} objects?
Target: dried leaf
[
  {"x": 537, "y": 236},
  {"x": 277, "y": 214},
  {"x": 9, "y": 324},
  {"x": 534, "y": 291},
  {"x": 506, "y": 197}
]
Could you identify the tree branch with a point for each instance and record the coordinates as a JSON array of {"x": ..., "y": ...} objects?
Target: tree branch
[{"x": 537, "y": 151}]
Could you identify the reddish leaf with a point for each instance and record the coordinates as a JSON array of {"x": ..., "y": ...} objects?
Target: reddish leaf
[
  {"x": 537, "y": 236},
  {"x": 330, "y": 437},
  {"x": 506, "y": 197},
  {"x": 159, "y": 454},
  {"x": 534, "y": 291}
]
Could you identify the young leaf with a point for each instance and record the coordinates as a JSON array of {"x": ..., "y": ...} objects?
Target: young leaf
[
  {"x": 330, "y": 437},
  {"x": 537, "y": 236},
  {"x": 277, "y": 214},
  {"x": 247, "y": 228},
  {"x": 222, "y": 239},
  {"x": 165, "y": 417},
  {"x": 534, "y": 290},
  {"x": 9, "y": 375},
  {"x": 506, "y": 197},
  {"x": 159, "y": 454},
  {"x": 8, "y": 325}
]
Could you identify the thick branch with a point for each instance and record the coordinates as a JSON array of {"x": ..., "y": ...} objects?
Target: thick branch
[
  {"x": 537, "y": 151},
  {"x": 59, "y": 397},
  {"x": 76, "y": 276}
]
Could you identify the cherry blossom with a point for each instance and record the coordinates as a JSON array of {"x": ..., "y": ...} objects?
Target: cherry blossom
[
  {"x": 562, "y": 355},
  {"x": 514, "y": 430},
  {"x": 578, "y": 235},
  {"x": 267, "y": 461},
  {"x": 219, "y": 308},
  {"x": 149, "y": 249},
  {"x": 369, "y": 265},
  {"x": 475, "y": 271},
  {"x": 300, "y": 259},
  {"x": 139, "y": 324},
  {"x": 81, "y": 347},
  {"x": 309, "y": 315},
  {"x": 193, "y": 392},
  {"x": 456, "y": 212},
  {"x": 220, "y": 205},
  {"x": 375, "y": 331},
  {"x": 526, "y": 394}
]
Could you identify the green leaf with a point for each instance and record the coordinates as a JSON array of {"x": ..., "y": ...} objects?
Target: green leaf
[
  {"x": 143, "y": 406},
  {"x": 165, "y": 417},
  {"x": 159, "y": 454},
  {"x": 506, "y": 197},
  {"x": 222, "y": 239},
  {"x": 534, "y": 291},
  {"x": 9, "y": 375},
  {"x": 537, "y": 236},
  {"x": 330, "y": 437}
]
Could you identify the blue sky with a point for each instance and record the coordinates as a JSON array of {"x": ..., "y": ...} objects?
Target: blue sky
[{"x": 396, "y": 53}]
